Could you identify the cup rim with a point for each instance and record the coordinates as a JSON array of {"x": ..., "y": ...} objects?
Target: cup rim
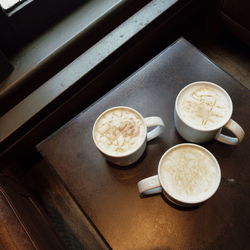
[
  {"x": 106, "y": 111},
  {"x": 208, "y": 83},
  {"x": 181, "y": 201}
]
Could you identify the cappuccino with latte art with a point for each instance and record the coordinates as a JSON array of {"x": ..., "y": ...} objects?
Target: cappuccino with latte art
[
  {"x": 189, "y": 173},
  {"x": 204, "y": 106},
  {"x": 202, "y": 109},
  {"x": 119, "y": 131}
]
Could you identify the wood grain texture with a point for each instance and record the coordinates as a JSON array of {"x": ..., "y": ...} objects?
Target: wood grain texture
[{"x": 72, "y": 225}]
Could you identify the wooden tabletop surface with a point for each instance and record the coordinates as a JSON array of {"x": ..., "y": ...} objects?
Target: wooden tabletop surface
[{"x": 108, "y": 194}]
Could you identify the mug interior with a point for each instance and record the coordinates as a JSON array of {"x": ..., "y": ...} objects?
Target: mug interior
[
  {"x": 182, "y": 185},
  {"x": 210, "y": 84},
  {"x": 129, "y": 152}
]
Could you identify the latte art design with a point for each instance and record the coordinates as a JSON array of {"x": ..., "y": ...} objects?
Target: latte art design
[
  {"x": 204, "y": 106},
  {"x": 189, "y": 173},
  {"x": 119, "y": 131}
]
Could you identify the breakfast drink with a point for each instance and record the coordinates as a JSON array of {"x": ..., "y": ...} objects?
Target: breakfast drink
[
  {"x": 119, "y": 131},
  {"x": 189, "y": 173},
  {"x": 204, "y": 106}
]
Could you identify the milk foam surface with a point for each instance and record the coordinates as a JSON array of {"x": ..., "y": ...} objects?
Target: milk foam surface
[
  {"x": 204, "y": 106},
  {"x": 119, "y": 131},
  {"x": 189, "y": 174}
]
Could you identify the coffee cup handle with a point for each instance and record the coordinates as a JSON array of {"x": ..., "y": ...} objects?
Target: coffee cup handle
[
  {"x": 236, "y": 129},
  {"x": 149, "y": 186},
  {"x": 157, "y": 122}
]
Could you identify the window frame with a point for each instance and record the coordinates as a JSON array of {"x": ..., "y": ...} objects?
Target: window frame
[{"x": 22, "y": 23}]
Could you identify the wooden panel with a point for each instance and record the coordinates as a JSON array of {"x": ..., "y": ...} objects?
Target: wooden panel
[{"x": 74, "y": 228}]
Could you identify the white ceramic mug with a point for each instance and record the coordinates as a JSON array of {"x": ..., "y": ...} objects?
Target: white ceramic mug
[
  {"x": 188, "y": 175},
  {"x": 120, "y": 133},
  {"x": 202, "y": 109}
]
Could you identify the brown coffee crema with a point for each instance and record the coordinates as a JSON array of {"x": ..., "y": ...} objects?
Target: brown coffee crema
[{"x": 119, "y": 131}]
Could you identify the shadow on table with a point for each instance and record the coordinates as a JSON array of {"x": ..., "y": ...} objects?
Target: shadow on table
[
  {"x": 133, "y": 165},
  {"x": 179, "y": 207},
  {"x": 172, "y": 204}
]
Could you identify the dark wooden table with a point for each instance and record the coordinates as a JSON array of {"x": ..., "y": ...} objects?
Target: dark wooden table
[{"x": 109, "y": 195}]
